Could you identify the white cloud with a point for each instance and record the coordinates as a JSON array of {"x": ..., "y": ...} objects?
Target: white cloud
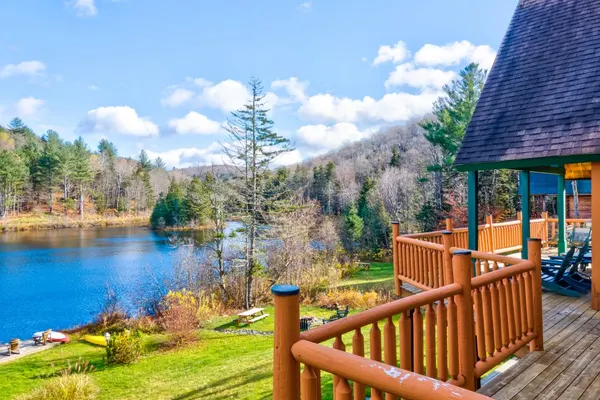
[
  {"x": 177, "y": 97},
  {"x": 190, "y": 156},
  {"x": 29, "y": 68},
  {"x": 93, "y": 87},
  {"x": 295, "y": 88},
  {"x": 455, "y": 53},
  {"x": 117, "y": 119},
  {"x": 288, "y": 158},
  {"x": 195, "y": 123},
  {"x": 307, "y": 5},
  {"x": 395, "y": 53},
  {"x": 228, "y": 95},
  {"x": 407, "y": 74},
  {"x": 326, "y": 138},
  {"x": 84, "y": 8},
  {"x": 201, "y": 82},
  {"x": 393, "y": 107},
  {"x": 29, "y": 107}
]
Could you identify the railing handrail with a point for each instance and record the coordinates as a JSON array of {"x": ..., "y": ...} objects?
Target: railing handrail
[
  {"x": 500, "y": 274},
  {"x": 482, "y": 255},
  {"x": 509, "y": 223},
  {"x": 424, "y": 234},
  {"x": 416, "y": 242},
  {"x": 378, "y": 313},
  {"x": 387, "y": 378},
  {"x": 570, "y": 220}
]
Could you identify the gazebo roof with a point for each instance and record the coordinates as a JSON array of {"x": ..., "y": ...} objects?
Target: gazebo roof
[{"x": 540, "y": 106}]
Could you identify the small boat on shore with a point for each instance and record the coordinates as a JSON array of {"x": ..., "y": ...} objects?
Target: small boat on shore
[
  {"x": 97, "y": 340},
  {"x": 53, "y": 337}
]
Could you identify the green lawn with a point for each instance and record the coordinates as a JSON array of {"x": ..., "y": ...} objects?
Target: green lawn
[
  {"x": 380, "y": 276},
  {"x": 219, "y": 366}
]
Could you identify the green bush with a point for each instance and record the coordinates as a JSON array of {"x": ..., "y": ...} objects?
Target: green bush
[
  {"x": 124, "y": 347},
  {"x": 65, "y": 387}
]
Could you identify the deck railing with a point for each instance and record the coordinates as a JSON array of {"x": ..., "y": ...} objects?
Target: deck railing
[
  {"x": 501, "y": 237},
  {"x": 432, "y": 344}
]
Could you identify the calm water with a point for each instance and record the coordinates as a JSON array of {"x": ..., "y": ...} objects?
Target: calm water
[{"x": 57, "y": 279}]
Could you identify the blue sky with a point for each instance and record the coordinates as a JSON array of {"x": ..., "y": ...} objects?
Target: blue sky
[{"x": 164, "y": 75}]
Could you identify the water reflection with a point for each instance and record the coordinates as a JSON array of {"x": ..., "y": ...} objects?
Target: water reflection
[{"x": 57, "y": 279}]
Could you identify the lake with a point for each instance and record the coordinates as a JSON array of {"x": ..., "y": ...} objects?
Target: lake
[{"x": 57, "y": 278}]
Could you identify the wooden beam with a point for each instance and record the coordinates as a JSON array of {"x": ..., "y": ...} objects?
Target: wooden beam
[
  {"x": 596, "y": 223},
  {"x": 473, "y": 188},
  {"x": 562, "y": 211},
  {"x": 530, "y": 163},
  {"x": 524, "y": 187}
]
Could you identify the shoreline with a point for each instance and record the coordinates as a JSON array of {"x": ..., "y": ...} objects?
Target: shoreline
[{"x": 48, "y": 222}]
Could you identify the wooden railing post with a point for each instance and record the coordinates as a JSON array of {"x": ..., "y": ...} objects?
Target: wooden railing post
[
  {"x": 396, "y": 257},
  {"x": 490, "y": 222},
  {"x": 535, "y": 256},
  {"x": 449, "y": 224},
  {"x": 448, "y": 242},
  {"x": 545, "y": 229},
  {"x": 462, "y": 268},
  {"x": 286, "y": 370}
]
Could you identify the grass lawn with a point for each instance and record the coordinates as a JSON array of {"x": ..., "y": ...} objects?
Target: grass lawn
[
  {"x": 379, "y": 276},
  {"x": 219, "y": 366}
]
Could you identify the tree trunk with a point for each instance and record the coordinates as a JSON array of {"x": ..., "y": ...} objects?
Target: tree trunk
[{"x": 81, "y": 205}]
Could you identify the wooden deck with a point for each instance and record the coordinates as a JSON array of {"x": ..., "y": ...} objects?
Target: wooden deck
[{"x": 569, "y": 366}]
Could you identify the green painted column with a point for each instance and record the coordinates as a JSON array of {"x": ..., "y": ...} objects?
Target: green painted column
[
  {"x": 473, "y": 188},
  {"x": 562, "y": 213},
  {"x": 525, "y": 210}
]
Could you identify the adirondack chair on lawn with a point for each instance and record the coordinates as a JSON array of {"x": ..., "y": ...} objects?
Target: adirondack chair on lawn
[{"x": 554, "y": 278}]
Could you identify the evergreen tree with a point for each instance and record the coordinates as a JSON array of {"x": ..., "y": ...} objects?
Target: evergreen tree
[
  {"x": 453, "y": 113},
  {"x": 395, "y": 160},
  {"x": 353, "y": 227},
  {"x": 196, "y": 202},
  {"x": 159, "y": 163},
  {"x": 13, "y": 173},
  {"x": 252, "y": 146},
  {"x": 144, "y": 166},
  {"x": 49, "y": 165},
  {"x": 82, "y": 175}
]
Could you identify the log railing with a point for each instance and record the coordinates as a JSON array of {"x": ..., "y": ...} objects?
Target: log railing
[
  {"x": 501, "y": 237},
  {"x": 424, "y": 346}
]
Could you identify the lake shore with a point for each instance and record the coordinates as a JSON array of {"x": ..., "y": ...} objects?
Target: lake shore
[{"x": 46, "y": 222}]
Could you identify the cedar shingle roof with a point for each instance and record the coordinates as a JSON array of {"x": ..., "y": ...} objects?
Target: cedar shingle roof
[{"x": 542, "y": 96}]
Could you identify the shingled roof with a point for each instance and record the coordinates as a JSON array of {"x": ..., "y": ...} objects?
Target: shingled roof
[{"x": 542, "y": 96}]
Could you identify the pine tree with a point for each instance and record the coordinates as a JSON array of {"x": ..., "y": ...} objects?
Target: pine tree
[
  {"x": 252, "y": 146},
  {"x": 144, "y": 166},
  {"x": 49, "y": 165},
  {"x": 453, "y": 113},
  {"x": 395, "y": 159},
  {"x": 353, "y": 227},
  {"x": 197, "y": 202},
  {"x": 159, "y": 163},
  {"x": 82, "y": 175}
]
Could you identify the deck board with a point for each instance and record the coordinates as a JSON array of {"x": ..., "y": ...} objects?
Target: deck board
[{"x": 569, "y": 366}]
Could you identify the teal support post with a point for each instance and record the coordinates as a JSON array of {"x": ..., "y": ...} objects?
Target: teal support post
[
  {"x": 562, "y": 211},
  {"x": 524, "y": 186},
  {"x": 473, "y": 188}
]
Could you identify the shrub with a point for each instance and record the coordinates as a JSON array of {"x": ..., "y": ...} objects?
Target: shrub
[
  {"x": 179, "y": 317},
  {"x": 352, "y": 298},
  {"x": 65, "y": 387},
  {"x": 124, "y": 347}
]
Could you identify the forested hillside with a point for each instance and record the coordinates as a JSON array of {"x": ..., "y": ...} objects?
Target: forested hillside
[{"x": 46, "y": 174}]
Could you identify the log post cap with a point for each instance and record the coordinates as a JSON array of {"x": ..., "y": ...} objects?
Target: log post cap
[
  {"x": 535, "y": 239},
  {"x": 395, "y": 222},
  {"x": 285, "y": 290},
  {"x": 462, "y": 253},
  {"x": 446, "y": 232}
]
